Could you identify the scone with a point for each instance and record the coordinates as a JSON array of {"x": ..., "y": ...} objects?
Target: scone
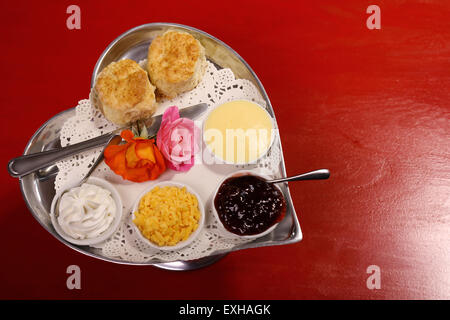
[
  {"x": 176, "y": 63},
  {"x": 124, "y": 93}
]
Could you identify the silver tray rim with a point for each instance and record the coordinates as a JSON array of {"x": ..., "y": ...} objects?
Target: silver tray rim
[{"x": 175, "y": 265}]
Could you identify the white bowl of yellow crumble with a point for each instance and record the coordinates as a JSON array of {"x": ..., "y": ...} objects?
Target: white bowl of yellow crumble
[{"x": 168, "y": 215}]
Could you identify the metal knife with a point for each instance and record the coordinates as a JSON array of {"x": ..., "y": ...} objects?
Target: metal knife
[{"x": 26, "y": 164}]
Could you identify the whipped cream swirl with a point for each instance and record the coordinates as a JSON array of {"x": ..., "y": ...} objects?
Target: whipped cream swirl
[{"x": 85, "y": 212}]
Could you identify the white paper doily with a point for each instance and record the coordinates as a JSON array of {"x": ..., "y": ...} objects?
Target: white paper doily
[{"x": 217, "y": 86}]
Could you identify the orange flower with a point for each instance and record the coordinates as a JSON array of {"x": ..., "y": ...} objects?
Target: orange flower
[{"x": 138, "y": 160}]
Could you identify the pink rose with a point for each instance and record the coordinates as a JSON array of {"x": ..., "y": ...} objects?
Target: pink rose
[{"x": 177, "y": 139}]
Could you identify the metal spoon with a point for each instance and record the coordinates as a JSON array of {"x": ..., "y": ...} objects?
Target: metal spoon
[
  {"x": 313, "y": 175},
  {"x": 116, "y": 139}
]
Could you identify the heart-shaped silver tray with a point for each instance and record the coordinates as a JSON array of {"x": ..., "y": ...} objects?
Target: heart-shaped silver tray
[{"x": 38, "y": 188}]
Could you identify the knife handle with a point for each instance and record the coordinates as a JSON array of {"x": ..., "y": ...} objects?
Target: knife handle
[
  {"x": 23, "y": 165},
  {"x": 26, "y": 164}
]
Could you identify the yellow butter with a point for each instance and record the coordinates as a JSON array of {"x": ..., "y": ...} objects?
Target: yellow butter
[{"x": 238, "y": 131}]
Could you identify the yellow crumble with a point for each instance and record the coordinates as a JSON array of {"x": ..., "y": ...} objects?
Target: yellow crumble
[{"x": 167, "y": 215}]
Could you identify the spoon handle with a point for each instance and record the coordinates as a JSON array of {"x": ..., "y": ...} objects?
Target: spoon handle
[
  {"x": 313, "y": 175},
  {"x": 114, "y": 140}
]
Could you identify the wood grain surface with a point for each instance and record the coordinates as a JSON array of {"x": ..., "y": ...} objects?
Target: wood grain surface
[{"x": 373, "y": 106}]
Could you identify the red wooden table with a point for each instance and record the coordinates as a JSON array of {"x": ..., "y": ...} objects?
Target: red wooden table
[{"x": 373, "y": 106}]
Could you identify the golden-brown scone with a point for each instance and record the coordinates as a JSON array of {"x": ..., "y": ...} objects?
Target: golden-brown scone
[
  {"x": 176, "y": 63},
  {"x": 124, "y": 93}
]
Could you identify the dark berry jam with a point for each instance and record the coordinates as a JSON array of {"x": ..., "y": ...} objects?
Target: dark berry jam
[{"x": 248, "y": 205}]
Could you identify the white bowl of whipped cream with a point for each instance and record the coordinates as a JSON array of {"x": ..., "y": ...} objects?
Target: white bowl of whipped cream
[{"x": 87, "y": 214}]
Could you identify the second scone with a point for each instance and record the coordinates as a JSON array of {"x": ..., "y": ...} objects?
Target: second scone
[
  {"x": 124, "y": 93},
  {"x": 176, "y": 62}
]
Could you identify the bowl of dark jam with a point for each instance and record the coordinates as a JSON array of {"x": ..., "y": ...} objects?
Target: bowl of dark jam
[{"x": 247, "y": 206}]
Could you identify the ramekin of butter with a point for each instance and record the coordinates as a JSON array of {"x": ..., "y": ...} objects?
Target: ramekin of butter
[
  {"x": 238, "y": 132},
  {"x": 168, "y": 215},
  {"x": 87, "y": 214}
]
